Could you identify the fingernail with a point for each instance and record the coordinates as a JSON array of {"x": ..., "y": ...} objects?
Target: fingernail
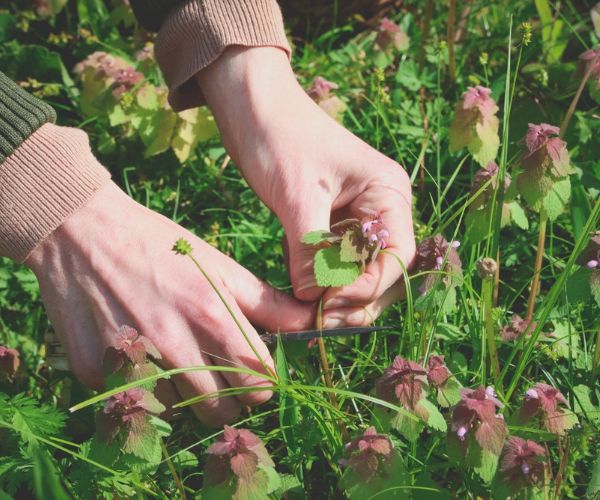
[
  {"x": 336, "y": 303},
  {"x": 332, "y": 322}
]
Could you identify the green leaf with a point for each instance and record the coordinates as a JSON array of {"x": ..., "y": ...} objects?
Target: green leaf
[
  {"x": 331, "y": 271},
  {"x": 488, "y": 466},
  {"x": 7, "y": 26},
  {"x": 584, "y": 405},
  {"x": 593, "y": 488},
  {"x": 390, "y": 482},
  {"x": 435, "y": 419},
  {"x": 518, "y": 215},
  {"x": 484, "y": 146},
  {"x": 289, "y": 411},
  {"x": 449, "y": 393},
  {"x": 557, "y": 198},
  {"x": 23, "y": 61},
  {"x": 595, "y": 284},
  {"x": 353, "y": 248},
  {"x": 46, "y": 480},
  {"x": 318, "y": 237},
  {"x": 410, "y": 428}
]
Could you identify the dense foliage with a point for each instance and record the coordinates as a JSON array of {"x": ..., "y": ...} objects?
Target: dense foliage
[{"x": 487, "y": 386}]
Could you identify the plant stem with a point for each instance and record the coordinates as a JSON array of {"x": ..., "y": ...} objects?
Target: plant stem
[
  {"x": 596, "y": 358},
  {"x": 537, "y": 268},
  {"x": 172, "y": 470},
  {"x": 496, "y": 280},
  {"x": 487, "y": 293},
  {"x": 450, "y": 40}
]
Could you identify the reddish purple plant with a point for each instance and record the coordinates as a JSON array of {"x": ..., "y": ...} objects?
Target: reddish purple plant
[
  {"x": 522, "y": 463},
  {"x": 475, "y": 125},
  {"x": 542, "y": 401},
  {"x": 436, "y": 254},
  {"x": 405, "y": 382},
  {"x": 390, "y": 35},
  {"x": 130, "y": 350},
  {"x": 516, "y": 328},
  {"x": 438, "y": 372},
  {"x": 368, "y": 454},
  {"x": 485, "y": 175},
  {"x": 238, "y": 452},
  {"x": 321, "y": 92},
  {"x": 475, "y": 415},
  {"x": 590, "y": 258},
  {"x": 9, "y": 362},
  {"x": 126, "y": 414},
  {"x": 590, "y": 61},
  {"x": 546, "y": 165},
  {"x": 116, "y": 72}
]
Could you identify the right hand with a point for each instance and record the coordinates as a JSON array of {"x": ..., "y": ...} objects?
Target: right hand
[{"x": 111, "y": 264}]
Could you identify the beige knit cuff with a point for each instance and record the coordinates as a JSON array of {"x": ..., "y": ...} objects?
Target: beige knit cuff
[
  {"x": 196, "y": 32},
  {"x": 45, "y": 180}
]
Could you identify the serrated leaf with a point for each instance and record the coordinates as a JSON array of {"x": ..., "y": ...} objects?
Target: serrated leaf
[
  {"x": 410, "y": 428},
  {"x": 488, "y": 466},
  {"x": 352, "y": 249},
  {"x": 331, "y": 271},
  {"x": 584, "y": 405},
  {"x": 393, "y": 480},
  {"x": 484, "y": 146},
  {"x": 557, "y": 199},
  {"x": 435, "y": 419},
  {"x": 593, "y": 488},
  {"x": 318, "y": 237},
  {"x": 449, "y": 393},
  {"x": 518, "y": 215}
]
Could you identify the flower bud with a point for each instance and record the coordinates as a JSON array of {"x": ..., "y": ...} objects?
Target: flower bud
[{"x": 486, "y": 267}]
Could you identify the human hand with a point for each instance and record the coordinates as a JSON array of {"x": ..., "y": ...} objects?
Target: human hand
[
  {"x": 111, "y": 264},
  {"x": 311, "y": 172}
]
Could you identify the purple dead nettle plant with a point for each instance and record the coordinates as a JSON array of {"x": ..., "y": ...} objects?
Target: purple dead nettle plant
[
  {"x": 368, "y": 455},
  {"x": 437, "y": 254},
  {"x": 544, "y": 181},
  {"x": 522, "y": 464},
  {"x": 129, "y": 354},
  {"x": 321, "y": 91},
  {"x": 590, "y": 61},
  {"x": 126, "y": 416},
  {"x": 236, "y": 456},
  {"x": 391, "y": 36},
  {"x": 9, "y": 362},
  {"x": 549, "y": 406},
  {"x": 516, "y": 328},
  {"x": 441, "y": 378},
  {"x": 475, "y": 125},
  {"x": 475, "y": 418},
  {"x": 102, "y": 69}
]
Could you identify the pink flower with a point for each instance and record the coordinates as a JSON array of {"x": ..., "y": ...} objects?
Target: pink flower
[
  {"x": 117, "y": 72},
  {"x": 237, "y": 452},
  {"x": 130, "y": 348},
  {"x": 374, "y": 231},
  {"x": 321, "y": 92},
  {"x": 127, "y": 412},
  {"x": 590, "y": 257},
  {"x": 390, "y": 34},
  {"x": 539, "y": 135},
  {"x": 438, "y": 372},
  {"x": 516, "y": 328},
  {"x": 475, "y": 415},
  {"x": 368, "y": 453},
  {"x": 9, "y": 362},
  {"x": 436, "y": 254},
  {"x": 404, "y": 381},
  {"x": 522, "y": 463},
  {"x": 543, "y": 401}
]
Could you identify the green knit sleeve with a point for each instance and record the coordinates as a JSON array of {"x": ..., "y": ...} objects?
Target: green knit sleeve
[
  {"x": 21, "y": 114},
  {"x": 151, "y": 13}
]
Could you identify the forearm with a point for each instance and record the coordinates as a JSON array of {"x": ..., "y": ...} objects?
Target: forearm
[{"x": 46, "y": 172}]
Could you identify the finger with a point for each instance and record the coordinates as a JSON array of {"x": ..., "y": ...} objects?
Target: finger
[
  {"x": 363, "y": 316},
  {"x": 316, "y": 216},
  {"x": 214, "y": 410},
  {"x": 166, "y": 392},
  {"x": 263, "y": 305}
]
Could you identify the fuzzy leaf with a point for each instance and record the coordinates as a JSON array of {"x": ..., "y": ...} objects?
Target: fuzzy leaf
[
  {"x": 488, "y": 466},
  {"x": 484, "y": 147},
  {"x": 409, "y": 427},
  {"x": 584, "y": 405},
  {"x": 435, "y": 419},
  {"x": 449, "y": 393},
  {"x": 331, "y": 271},
  {"x": 518, "y": 215},
  {"x": 595, "y": 284},
  {"x": 353, "y": 248},
  {"x": 393, "y": 480},
  {"x": 558, "y": 198},
  {"x": 318, "y": 237}
]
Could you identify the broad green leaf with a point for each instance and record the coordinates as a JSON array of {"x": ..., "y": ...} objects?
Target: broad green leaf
[
  {"x": 410, "y": 428},
  {"x": 593, "y": 489},
  {"x": 557, "y": 199},
  {"x": 595, "y": 284},
  {"x": 353, "y": 248},
  {"x": 584, "y": 405},
  {"x": 318, "y": 237},
  {"x": 518, "y": 215},
  {"x": 331, "y": 271},
  {"x": 449, "y": 393},
  {"x": 488, "y": 466},
  {"x": 435, "y": 419}
]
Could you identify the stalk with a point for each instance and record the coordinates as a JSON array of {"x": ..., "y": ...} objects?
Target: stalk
[
  {"x": 450, "y": 38},
  {"x": 172, "y": 470},
  {"x": 487, "y": 293},
  {"x": 543, "y": 217},
  {"x": 596, "y": 358}
]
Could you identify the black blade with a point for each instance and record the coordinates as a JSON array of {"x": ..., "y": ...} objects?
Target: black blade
[{"x": 269, "y": 338}]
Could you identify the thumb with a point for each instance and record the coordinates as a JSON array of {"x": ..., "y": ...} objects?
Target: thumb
[{"x": 300, "y": 256}]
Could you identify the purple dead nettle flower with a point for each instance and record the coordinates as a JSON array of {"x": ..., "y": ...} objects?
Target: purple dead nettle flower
[
  {"x": 9, "y": 362},
  {"x": 590, "y": 257},
  {"x": 543, "y": 401},
  {"x": 117, "y": 72},
  {"x": 475, "y": 415},
  {"x": 321, "y": 92},
  {"x": 238, "y": 452},
  {"x": 516, "y": 328},
  {"x": 368, "y": 453},
  {"x": 390, "y": 34},
  {"x": 436, "y": 254},
  {"x": 591, "y": 60},
  {"x": 127, "y": 413},
  {"x": 130, "y": 349},
  {"x": 405, "y": 382},
  {"x": 374, "y": 230},
  {"x": 522, "y": 463}
]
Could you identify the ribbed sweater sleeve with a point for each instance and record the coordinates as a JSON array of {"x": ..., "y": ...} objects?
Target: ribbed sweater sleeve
[
  {"x": 196, "y": 32},
  {"x": 46, "y": 172}
]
